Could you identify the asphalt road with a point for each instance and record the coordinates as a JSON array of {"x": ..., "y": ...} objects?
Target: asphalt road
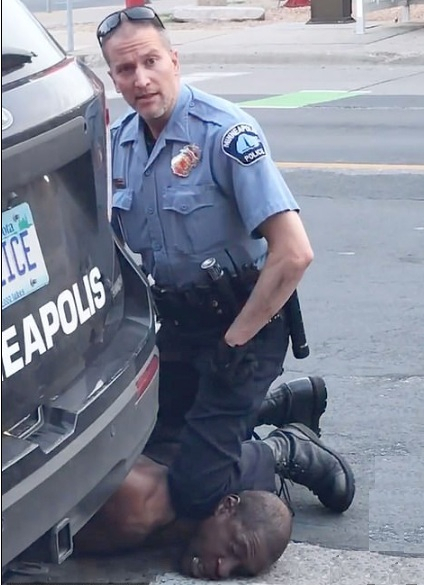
[
  {"x": 353, "y": 168},
  {"x": 363, "y": 129}
]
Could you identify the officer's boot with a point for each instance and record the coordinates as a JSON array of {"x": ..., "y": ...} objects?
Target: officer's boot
[
  {"x": 301, "y": 457},
  {"x": 303, "y": 400}
]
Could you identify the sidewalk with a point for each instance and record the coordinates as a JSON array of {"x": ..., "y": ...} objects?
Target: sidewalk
[{"x": 261, "y": 42}]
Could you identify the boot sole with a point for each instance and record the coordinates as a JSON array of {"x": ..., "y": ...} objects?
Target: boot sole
[
  {"x": 320, "y": 403},
  {"x": 350, "y": 479}
]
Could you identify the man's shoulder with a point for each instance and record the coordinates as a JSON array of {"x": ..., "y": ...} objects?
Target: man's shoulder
[
  {"x": 216, "y": 110},
  {"x": 123, "y": 121}
]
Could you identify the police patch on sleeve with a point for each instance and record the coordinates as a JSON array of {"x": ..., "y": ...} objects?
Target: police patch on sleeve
[{"x": 243, "y": 144}]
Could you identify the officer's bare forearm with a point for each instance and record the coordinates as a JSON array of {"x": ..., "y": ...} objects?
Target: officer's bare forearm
[
  {"x": 289, "y": 255},
  {"x": 277, "y": 281}
]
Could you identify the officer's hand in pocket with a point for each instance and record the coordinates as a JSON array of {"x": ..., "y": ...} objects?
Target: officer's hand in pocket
[{"x": 233, "y": 364}]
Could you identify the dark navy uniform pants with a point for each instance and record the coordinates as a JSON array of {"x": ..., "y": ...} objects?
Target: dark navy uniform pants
[{"x": 212, "y": 422}]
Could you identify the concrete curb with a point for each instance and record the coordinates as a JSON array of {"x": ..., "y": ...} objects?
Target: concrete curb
[
  {"x": 199, "y": 14},
  {"x": 96, "y": 60}
]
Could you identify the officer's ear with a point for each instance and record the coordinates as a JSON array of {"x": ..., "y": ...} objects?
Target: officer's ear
[
  {"x": 175, "y": 60},
  {"x": 228, "y": 505}
]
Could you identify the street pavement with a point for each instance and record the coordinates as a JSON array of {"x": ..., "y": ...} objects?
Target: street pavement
[{"x": 260, "y": 43}]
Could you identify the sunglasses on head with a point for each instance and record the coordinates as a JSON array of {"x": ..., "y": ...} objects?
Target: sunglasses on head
[{"x": 136, "y": 13}]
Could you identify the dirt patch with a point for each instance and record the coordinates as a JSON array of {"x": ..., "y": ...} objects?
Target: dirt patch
[{"x": 275, "y": 12}]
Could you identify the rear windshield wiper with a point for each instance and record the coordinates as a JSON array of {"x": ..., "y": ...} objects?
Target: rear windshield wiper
[{"x": 12, "y": 58}]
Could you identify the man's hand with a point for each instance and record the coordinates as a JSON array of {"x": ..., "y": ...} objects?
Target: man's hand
[{"x": 231, "y": 364}]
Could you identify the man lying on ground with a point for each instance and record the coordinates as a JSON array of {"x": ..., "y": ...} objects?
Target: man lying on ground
[
  {"x": 246, "y": 534},
  {"x": 248, "y": 530}
]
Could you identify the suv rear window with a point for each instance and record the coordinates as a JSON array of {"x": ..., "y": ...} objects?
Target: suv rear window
[{"x": 20, "y": 31}]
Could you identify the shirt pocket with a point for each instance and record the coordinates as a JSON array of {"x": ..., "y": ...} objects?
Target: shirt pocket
[{"x": 191, "y": 218}]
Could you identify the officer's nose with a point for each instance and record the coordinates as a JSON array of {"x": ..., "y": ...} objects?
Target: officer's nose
[{"x": 142, "y": 79}]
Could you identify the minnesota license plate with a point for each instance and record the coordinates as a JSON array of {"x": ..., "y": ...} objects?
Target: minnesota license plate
[{"x": 23, "y": 269}]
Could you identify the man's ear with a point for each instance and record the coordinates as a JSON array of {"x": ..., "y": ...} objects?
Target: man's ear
[
  {"x": 228, "y": 505},
  {"x": 175, "y": 61}
]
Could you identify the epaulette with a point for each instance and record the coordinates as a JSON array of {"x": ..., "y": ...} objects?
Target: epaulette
[
  {"x": 123, "y": 120},
  {"x": 215, "y": 110}
]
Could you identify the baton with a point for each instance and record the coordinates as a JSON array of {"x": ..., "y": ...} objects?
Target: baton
[{"x": 293, "y": 311}]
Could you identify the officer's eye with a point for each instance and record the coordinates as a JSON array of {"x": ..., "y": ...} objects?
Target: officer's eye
[
  {"x": 127, "y": 68},
  {"x": 150, "y": 61}
]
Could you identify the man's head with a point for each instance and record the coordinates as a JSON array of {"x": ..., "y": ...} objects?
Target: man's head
[
  {"x": 142, "y": 64},
  {"x": 245, "y": 536}
]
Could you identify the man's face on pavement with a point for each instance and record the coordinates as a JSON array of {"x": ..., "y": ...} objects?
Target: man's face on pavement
[
  {"x": 144, "y": 69},
  {"x": 221, "y": 548}
]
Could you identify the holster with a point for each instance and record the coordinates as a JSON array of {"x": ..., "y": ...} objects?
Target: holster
[{"x": 192, "y": 309}]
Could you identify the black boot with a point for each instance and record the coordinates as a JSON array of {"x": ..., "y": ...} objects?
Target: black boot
[
  {"x": 303, "y": 400},
  {"x": 301, "y": 457}
]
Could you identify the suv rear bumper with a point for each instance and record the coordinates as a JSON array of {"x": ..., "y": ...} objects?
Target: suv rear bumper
[{"x": 82, "y": 475}]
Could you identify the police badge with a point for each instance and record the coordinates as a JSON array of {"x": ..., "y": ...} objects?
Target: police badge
[{"x": 184, "y": 162}]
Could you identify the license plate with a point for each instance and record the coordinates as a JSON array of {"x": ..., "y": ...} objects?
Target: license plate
[{"x": 23, "y": 270}]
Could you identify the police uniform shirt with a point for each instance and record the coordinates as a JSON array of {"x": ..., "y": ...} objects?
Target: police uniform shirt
[{"x": 202, "y": 192}]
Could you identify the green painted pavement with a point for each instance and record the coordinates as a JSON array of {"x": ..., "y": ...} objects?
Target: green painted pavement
[{"x": 299, "y": 99}]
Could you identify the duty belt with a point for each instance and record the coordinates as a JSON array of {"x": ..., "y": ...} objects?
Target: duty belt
[
  {"x": 213, "y": 306},
  {"x": 192, "y": 308}
]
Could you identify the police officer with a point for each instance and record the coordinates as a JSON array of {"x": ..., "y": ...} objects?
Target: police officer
[{"x": 193, "y": 179}]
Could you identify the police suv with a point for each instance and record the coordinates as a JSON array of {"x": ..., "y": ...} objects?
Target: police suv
[{"x": 79, "y": 362}]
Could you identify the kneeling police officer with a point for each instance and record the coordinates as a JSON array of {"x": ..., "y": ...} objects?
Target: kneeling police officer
[{"x": 194, "y": 181}]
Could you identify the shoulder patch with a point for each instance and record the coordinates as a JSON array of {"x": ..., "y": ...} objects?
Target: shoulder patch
[{"x": 243, "y": 144}]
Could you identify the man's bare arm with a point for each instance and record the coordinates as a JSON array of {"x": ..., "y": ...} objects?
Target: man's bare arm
[
  {"x": 140, "y": 507},
  {"x": 289, "y": 255}
]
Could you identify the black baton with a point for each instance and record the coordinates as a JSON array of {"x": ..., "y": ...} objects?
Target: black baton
[{"x": 293, "y": 312}]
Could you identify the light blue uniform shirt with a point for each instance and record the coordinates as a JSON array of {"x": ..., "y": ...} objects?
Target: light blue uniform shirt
[{"x": 177, "y": 222}]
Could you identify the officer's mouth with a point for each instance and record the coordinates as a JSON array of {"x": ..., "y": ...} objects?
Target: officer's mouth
[{"x": 148, "y": 97}]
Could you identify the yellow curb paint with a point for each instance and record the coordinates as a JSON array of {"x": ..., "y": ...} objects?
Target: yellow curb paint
[{"x": 374, "y": 167}]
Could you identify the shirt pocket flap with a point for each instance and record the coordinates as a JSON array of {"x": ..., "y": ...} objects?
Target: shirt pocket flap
[
  {"x": 189, "y": 200},
  {"x": 123, "y": 199}
]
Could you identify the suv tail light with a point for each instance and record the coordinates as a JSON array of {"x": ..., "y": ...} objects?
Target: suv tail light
[{"x": 147, "y": 376}]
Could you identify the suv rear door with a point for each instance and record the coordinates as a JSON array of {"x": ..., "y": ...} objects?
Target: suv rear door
[{"x": 58, "y": 258}]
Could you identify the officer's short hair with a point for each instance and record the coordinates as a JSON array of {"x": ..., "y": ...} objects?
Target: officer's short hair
[
  {"x": 267, "y": 515},
  {"x": 163, "y": 33}
]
